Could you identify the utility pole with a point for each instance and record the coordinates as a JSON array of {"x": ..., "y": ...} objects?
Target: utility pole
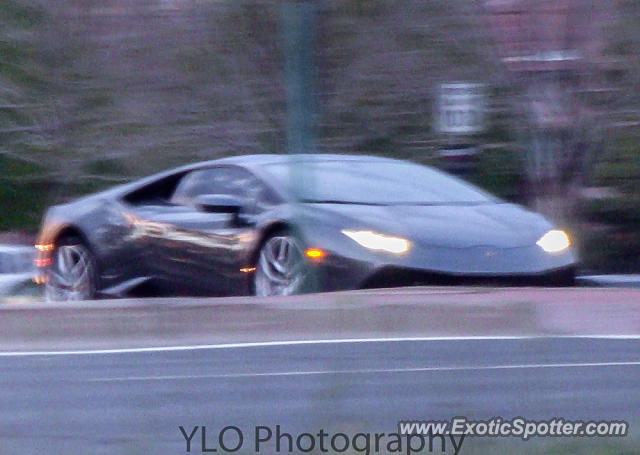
[{"x": 299, "y": 29}]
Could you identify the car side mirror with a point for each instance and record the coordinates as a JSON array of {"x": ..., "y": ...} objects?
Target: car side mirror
[{"x": 219, "y": 203}]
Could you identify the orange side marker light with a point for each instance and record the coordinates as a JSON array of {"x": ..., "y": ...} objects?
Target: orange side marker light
[{"x": 315, "y": 253}]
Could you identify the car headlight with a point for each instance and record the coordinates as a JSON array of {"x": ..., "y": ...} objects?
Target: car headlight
[
  {"x": 554, "y": 241},
  {"x": 379, "y": 242}
]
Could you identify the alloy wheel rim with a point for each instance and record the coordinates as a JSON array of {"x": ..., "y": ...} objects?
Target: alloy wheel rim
[
  {"x": 280, "y": 268},
  {"x": 71, "y": 274}
]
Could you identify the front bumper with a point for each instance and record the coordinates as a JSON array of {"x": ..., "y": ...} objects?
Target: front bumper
[{"x": 450, "y": 266}]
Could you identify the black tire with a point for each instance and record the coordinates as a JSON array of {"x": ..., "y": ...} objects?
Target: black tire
[
  {"x": 73, "y": 273},
  {"x": 304, "y": 281}
]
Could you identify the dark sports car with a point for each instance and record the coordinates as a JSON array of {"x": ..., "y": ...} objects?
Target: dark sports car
[{"x": 285, "y": 224}]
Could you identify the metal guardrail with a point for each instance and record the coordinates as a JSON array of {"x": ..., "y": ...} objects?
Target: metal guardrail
[
  {"x": 610, "y": 281},
  {"x": 16, "y": 259},
  {"x": 16, "y": 270}
]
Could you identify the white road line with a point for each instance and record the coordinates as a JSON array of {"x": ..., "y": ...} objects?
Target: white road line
[
  {"x": 365, "y": 371},
  {"x": 308, "y": 342}
]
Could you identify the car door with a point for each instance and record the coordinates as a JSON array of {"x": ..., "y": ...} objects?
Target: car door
[{"x": 203, "y": 251}]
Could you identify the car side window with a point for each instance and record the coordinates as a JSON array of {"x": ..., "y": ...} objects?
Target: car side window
[
  {"x": 227, "y": 181},
  {"x": 188, "y": 189}
]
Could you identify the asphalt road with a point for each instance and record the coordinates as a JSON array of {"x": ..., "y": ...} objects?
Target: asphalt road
[{"x": 133, "y": 401}]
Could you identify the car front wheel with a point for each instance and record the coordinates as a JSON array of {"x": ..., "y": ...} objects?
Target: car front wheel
[{"x": 281, "y": 267}]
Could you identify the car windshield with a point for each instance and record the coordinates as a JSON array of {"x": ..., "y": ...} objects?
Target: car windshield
[{"x": 373, "y": 182}]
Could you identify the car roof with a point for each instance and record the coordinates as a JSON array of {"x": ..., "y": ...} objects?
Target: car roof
[
  {"x": 264, "y": 159},
  {"x": 249, "y": 161}
]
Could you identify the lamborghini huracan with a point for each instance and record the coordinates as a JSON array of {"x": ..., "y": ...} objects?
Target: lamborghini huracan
[{"x": 287, "y": 224}]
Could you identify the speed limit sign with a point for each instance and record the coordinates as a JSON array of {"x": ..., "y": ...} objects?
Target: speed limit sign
[{"x": 461, "y": 108}]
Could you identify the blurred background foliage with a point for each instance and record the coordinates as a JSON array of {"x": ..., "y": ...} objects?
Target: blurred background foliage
[{"x": 93, "y": 93}]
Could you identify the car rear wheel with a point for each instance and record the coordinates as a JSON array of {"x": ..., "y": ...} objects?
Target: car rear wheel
[
  {"x": 281, "y": 267},
  {"x": 72, "y": 275}
]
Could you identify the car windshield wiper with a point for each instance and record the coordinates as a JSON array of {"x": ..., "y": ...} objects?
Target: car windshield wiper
[
  {"x": 330, "y": 201},
  {"x": 425, "y": 204}
]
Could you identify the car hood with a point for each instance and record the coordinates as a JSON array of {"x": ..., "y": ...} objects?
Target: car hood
[{"x": 456, "y": 226}]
